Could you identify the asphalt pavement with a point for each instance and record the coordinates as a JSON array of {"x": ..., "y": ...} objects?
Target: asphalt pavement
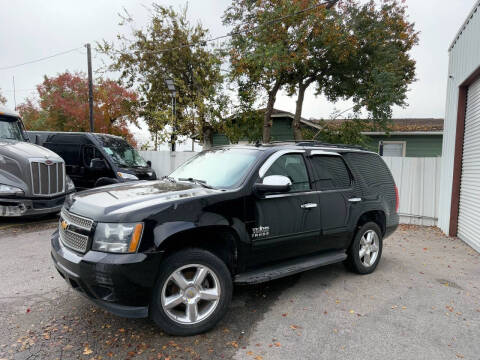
[{"x": 422, "y": 302}]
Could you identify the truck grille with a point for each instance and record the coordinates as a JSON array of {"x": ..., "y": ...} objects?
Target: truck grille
[
  {"x": 74, "y": 231},
  {"x": 48, "y": 177}
]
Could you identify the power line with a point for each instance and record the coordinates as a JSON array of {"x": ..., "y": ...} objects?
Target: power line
[{"x": 40, "y": 59}]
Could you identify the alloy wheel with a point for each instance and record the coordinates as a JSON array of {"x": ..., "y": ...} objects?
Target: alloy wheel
[
  {"x": 191, "y": 294},
  {"x": 369, "y": 247}
]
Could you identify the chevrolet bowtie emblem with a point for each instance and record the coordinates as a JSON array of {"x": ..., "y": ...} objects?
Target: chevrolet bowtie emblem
[{"x": 64, "y": 224}]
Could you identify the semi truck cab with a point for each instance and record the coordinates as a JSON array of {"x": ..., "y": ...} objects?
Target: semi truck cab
[{"x": 32, "y": 178}]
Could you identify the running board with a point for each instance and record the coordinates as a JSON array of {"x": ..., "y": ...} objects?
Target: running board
[{"x": 289, "y": 267}]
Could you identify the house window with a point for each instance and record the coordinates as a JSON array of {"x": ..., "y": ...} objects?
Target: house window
[{"x": 394, "y": 148}]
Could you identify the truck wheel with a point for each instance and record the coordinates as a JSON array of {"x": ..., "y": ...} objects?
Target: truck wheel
[
  {"x": 192, "y": 293},
  {"x": 365, "y": 252}
]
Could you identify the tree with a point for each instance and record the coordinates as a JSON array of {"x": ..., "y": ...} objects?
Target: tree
[
  {"x": 349, "y": 51},
  {"x": 3, "y": 99},
  {"x": 171, "y": 47},
  {"x": 62, "y": 105},
  {"x": 259, "y": 49}
]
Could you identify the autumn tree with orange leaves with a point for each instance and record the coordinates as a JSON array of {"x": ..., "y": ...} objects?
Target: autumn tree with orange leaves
[{"x": 62, "y": 105}]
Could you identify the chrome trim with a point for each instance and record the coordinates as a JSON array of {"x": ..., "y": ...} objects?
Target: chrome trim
[
  {"x": 309, "y": 205},
  {"x": 323, "y": 152},
  {"x": 355, "y": 200},
  {"x": 59, "y": 165},
  {"x": 274, "y": 196},
  {"x": 266, "y": 165},
  {"x": 73, "y": 240},
  {"x": 77, "y": 220}
]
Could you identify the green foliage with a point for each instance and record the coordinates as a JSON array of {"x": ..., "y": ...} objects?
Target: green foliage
[
  {"x": 355, "y": 50},
  {"x": 259, "y": 49},
  {"x": 151, "y": 54},
  {"x": 348, "y": 132}
]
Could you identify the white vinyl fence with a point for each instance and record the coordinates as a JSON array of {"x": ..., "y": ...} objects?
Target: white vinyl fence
[
  {"x": 417, "y": 179},
  {"x": 418, "y": 182},
  {"x": 164, "y": 162}
]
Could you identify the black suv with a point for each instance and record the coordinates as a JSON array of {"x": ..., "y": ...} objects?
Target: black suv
[{"x": 171, "y": 249}]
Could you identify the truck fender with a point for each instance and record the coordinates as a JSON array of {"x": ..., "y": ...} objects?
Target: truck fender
[{"x": 206, "y": 220}]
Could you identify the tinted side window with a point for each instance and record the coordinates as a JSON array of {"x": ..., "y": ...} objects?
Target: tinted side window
[
  {"x": 330, "y": 172},
  {"x": 371, "y": 167},
  {"x": 69, "y": 152},
  {"x": 293, "y": 167}
]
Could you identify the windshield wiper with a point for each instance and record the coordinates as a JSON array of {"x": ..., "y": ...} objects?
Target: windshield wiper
[{"x": 197, "y": 181}]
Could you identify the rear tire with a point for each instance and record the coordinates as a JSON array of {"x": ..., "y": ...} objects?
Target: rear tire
[
  {"x": 192, "y": 293},
  {"x": 366, "y": 249}
]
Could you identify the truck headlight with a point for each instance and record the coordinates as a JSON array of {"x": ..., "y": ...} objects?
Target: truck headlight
[
  {"x": 126, "y": 176},
  {"x": 117, "y": 238},
  {"x": 10, "y": 190},
  {"x": 69, "y": 183}
]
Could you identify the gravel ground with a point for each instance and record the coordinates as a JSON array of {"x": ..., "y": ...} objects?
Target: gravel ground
[{"x": 422, "y": 302}]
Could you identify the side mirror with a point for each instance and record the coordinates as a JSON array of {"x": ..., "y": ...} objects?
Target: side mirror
[
  {"x": 273, "y": 184},
  {"x": 149, "y": 163},
  {"x": 98, "y": 164}
]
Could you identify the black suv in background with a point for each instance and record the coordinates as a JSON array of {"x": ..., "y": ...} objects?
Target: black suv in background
[
  {"x": 172, "y": 249},
  {"x": 95, "y": 159}
]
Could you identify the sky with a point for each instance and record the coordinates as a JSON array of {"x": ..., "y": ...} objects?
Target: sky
[{"x": 31, "y": 29}]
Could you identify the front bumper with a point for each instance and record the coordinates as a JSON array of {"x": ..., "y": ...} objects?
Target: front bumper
[
  {"x": 13, "y": 207},
  {"x": 120, "y": 283}
]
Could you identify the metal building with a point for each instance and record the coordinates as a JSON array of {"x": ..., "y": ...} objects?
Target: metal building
[{"x": 459, "y": 206}]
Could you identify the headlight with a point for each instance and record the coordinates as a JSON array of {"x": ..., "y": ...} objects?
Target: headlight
[
  {"x": 10, "y": 190},
  {"x": 69, "y": 183},
  {"x": 126, "y": 176},
  {"x": 118, "y": 238}
]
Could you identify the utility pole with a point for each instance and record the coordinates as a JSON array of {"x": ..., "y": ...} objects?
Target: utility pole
[
  {"x": 90, "y": 87},
  {"x": 14, "y": 96},
  {"x": 173, "y": 92}
]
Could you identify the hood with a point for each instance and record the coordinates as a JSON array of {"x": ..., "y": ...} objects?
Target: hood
[
  {"x": 132, "y": 201},
  {"x": 21, "y": 149}
]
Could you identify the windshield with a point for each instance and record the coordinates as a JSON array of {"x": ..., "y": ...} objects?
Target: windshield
[
  {"x": 122, "y": 153},
  {"x": 11, "y": 128},
  {"x": 221, "y": 168}
]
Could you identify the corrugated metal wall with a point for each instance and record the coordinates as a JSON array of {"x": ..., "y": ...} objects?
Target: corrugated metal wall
[
  {"x": 418, "y": 183},
  {"x": 468, "y": 224},
  {"x": 464, "y": 59}
]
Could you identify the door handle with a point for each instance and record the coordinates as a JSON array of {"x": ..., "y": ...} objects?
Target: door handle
[
  {"x": 308, "y": 205},
  {"x": 354, "y": 200}
]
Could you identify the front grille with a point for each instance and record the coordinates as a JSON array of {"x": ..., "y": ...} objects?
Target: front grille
[
  {"x": 74, "y": 240},
  {"x": 74, "y": 231},
  {"x": 48, "y": 177},
  {"x": 78, "y": 221}
]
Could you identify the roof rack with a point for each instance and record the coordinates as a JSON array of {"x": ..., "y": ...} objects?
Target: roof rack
[{"x": 320, "y": 144}]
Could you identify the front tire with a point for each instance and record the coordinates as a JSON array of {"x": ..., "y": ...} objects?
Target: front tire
[
  {"x": 192, "y": 293},
  {"x": 366, "y": 249}
]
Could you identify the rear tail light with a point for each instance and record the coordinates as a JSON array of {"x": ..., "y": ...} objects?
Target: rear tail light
[{"x": 397, "y": 199}]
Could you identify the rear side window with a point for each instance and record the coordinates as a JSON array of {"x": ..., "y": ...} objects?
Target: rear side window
[
  {"x": 330, "y": 172},
  {"x": 371, "y": 168}
]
